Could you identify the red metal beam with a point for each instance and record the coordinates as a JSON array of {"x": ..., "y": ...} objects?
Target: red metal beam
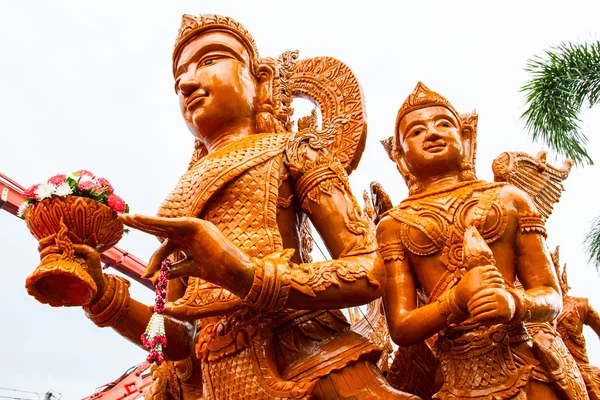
[
  {"x": 10, "y": 194},
  {"x": 11, "y": 197},
  {"x": 133, "y": 384}
]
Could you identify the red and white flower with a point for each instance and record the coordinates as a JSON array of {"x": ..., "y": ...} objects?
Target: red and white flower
[{"x": 81, "y": 183}]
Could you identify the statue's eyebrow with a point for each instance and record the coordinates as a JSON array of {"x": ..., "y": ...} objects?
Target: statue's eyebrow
[
  {"x": 216, "y": 46},
  {"x": 411, "y": 125}
]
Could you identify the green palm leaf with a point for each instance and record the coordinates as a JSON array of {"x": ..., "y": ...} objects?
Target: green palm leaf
[{"x": 561, "y": 82}]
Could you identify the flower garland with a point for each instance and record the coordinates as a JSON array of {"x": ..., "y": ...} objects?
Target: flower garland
[
  {"x": 154, "y": 338},
  {"x": 81, "y": 183}
]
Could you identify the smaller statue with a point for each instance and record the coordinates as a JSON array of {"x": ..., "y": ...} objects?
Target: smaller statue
[
  {"x": 576, "y": 313},
  {"x": 462, "y": 244}
]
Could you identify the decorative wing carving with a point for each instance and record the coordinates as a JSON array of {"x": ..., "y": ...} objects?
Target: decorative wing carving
[
  {"x": 333, "y": 87},
  {"x": 380, "y": 199},
  {"x": 540, "y": 180}
]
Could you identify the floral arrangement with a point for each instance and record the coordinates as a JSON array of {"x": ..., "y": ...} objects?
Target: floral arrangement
[{"x": 81, "y": 183}]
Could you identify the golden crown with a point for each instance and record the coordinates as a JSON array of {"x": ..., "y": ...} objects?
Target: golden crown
[
  {"x": 423, "y": 97},
  {"x": 192, "y": 26}
]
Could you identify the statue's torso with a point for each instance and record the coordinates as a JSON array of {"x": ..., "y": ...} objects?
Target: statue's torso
[
  {"x": 254, "y": 207},
  {"x": 432, "y": 227}
]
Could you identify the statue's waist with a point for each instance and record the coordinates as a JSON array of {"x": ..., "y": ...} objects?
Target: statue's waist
[{"x": 468, "y": 336}]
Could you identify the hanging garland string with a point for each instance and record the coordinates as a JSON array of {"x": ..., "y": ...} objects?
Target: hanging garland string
[{"x": 154, "y": 338}]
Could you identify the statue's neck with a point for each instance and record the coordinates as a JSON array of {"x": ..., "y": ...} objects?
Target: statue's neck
[
  {"x": 441, "y": 181},
  {"x": 229, "y": 133}
]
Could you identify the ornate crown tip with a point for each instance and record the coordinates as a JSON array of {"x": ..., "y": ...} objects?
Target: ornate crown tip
[
  {"x": 422, "y": 97},
  {"x": 192, "y": 25}
]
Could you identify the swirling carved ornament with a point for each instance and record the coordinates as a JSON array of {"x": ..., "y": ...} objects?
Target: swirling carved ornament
[{"x": 332, "y": 86}]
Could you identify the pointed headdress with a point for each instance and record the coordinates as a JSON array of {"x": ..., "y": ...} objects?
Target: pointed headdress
[
  {"x": 423, "y": 97},
  {"x": 192, "y": 26}
]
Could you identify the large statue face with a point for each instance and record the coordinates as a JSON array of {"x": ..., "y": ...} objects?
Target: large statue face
[
  {"x": 215, "y": 84},
  {"x": 431, "y": 141}
]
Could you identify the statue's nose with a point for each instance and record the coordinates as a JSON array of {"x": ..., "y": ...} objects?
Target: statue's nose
[
  {"x": 432, "y": 134},
  {"x": 187, "y": 86}
]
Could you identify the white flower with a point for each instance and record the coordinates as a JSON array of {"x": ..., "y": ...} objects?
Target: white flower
[
  {"x": 22, "y": 209},
  {"x": 85, "y": 178},
  {"x": 45, "y": 190},
  {"x": 63, "y": 190}
]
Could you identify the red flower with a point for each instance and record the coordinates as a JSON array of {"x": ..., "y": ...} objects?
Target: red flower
[
  {"x": 89, "y": 185},
  {"x": 83, "y": 172},
  {"x": 106, "y": 184},
  {"x": 116, "y": 203},
  {"x": 30, "y": 193},
  {"x": 58, "y": 179}
]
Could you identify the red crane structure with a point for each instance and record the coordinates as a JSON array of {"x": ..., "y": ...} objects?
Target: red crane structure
[{"x": 136, "y": 380}]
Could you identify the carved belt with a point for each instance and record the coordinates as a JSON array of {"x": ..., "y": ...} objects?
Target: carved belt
[{"x": 477, "y": 362}]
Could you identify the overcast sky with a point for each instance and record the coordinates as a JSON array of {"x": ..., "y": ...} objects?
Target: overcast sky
[{"x": 89, "y": 85}]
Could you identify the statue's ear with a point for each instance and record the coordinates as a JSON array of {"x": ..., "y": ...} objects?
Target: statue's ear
[
  {"x": 265, "y": 74},
  {"x": 469, "y": 135},
  {"x": 395, "y": 154}
]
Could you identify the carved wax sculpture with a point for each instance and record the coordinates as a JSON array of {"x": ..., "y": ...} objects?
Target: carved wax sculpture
[
  {"x": 484, "y": 349},
  {"x": 576, "y": 313},
  {"x": 62, "y": 225},
  {"x": 247, "y": 315}
]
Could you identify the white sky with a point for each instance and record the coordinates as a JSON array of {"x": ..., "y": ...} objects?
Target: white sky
[{"x": 89, "y": 85}]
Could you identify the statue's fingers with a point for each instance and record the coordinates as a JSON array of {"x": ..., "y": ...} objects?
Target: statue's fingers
[
  {"x": 45, "y": 242},
  {"x": 183, "y": 268},
  {"x": 494, "y": 282},
  {"x": 49, "y": 250},
  {"x": 490, "y": 316},
  {"x": 479, "y": 298},
  {"x": 161, "y": 224},
  {"x": 84, "y": 249},
  {"x": 164, "y": 250},
  {"x": 483, "y": 310},
  {"x": 133, "y": 221}
]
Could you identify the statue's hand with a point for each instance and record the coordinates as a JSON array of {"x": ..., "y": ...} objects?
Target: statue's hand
[
  {"x": 476, "y": 279},
  {"x": 492, "y": 306},
  {"x": 89, "y": 256},
  {"x": 208, "y": 254}
]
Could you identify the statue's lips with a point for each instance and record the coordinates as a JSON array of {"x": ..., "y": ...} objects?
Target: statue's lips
[
  {"x": 194, "y": 101},
  {"x": 435, "y": 147}
]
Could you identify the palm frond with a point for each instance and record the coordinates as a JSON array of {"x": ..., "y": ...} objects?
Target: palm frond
[
  {"x": 561, "y": 82},
  {"x": 592, "y": 244}
]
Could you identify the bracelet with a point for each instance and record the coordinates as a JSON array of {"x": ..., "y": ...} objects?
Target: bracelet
[
  {"x": 522, "y": 311},
  {"x": 456, "y": 314},
  {"x": 271, "y": 284},
  {"x": 113, "y": 304}
]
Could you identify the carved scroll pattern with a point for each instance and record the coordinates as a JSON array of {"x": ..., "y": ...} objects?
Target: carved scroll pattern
[{"x": 333, "y": 87}]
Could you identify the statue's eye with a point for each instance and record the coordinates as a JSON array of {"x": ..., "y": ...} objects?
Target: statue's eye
[
  {"x": 208, "y": 62},
  {"x": 445, "y": 124},
  {"x": 417, "y": 131}
]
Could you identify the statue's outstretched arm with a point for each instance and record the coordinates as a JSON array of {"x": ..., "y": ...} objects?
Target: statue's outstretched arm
[
  {"x": 356, "y": 274},
  {"x": 113, "y": 307}
]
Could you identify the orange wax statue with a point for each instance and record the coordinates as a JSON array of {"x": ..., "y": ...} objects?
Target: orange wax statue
[
  {"x": 576, "y": 313},
  {"x": 484, "y": 349},
  {"x": 249, "y": 316}
]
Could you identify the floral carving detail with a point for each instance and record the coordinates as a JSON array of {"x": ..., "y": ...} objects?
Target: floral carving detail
[
  {"x": 316, "y": 277},
  {"x": 452, "y": 256}
]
